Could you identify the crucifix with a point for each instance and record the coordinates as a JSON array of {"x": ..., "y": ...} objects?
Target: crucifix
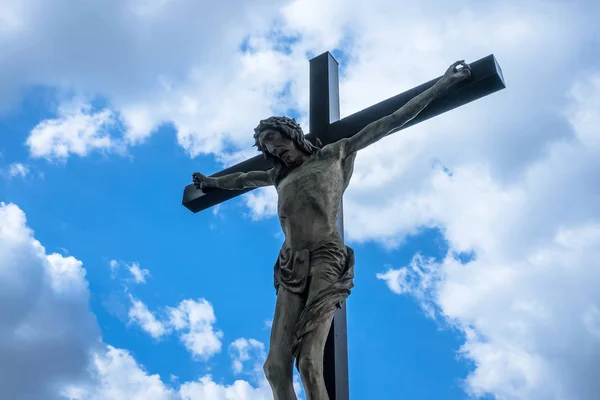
[{"x": 314, "y": 271}]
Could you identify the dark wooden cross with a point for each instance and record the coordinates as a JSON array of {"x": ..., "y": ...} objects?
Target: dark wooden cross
[{"x": 324, "y": 123}]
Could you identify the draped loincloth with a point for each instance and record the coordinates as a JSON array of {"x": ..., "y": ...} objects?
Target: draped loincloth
[{"x": 333, "y": 263}]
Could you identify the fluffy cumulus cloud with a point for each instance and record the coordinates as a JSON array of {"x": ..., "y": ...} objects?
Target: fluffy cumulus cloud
[
  {"x": 193, "y": 320},
  {"x": 153, "y": 61},
  {"x": 247, "y": 356},
  {"x": 136, "y": 274},
  {"x": 47, "y": 333},
  {"x": 140, "y": 314},
  {"x": 77, "y": 130},
  {"x": 118, "y": 376},
  {"x": 522, "y": 197},
  {"x": 205, "y": 388},
  {"x": 242, "y": 350},
  {"x": 51, "y": 348}
]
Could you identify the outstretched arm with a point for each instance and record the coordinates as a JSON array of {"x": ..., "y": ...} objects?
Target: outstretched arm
[
  {"x": 380, "y": 128},
  {"x": 235, "y": 181}
]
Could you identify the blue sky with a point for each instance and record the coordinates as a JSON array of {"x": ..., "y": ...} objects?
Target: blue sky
[{"x": 476, "y": 284}]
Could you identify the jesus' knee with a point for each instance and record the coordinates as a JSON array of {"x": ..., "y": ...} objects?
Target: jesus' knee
[
  {"x": 310, "y": 368},
  {"x": 278, "y": 372}
]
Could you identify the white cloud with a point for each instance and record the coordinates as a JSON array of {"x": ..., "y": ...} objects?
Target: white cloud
[
  {"x": 77, "y": 130},
  {"x": 396, "y": 280},
  {"x": 248, "y": 356},
  {"x": 416, "y": 279},
  {"x": 50, "y": 345},
  {"x": 150, "y": 80},
  {"x": 46, "y": 329},
  {"x": 18, "y": 170},
  {"x": 139, "y": 275},
  {"x": 195, "y": 320},
  {"x": 584, "y": 115},
  {"x": 206, "y": 388},
  {"x": 528, "y": 302},
  {"x": 139, "y": 314},
  {"x": 528, "y": 321},
  {"x": 154, "y": 64},
  {"x": 118, "y": 376},
  {"x": 243, "y": 350}
]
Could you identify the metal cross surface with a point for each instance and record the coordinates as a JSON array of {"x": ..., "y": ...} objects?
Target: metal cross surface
[{"x": 324, "y": 123}]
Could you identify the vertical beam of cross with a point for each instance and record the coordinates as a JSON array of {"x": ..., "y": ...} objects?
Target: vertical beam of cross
[{"x": 324, "y": 109}]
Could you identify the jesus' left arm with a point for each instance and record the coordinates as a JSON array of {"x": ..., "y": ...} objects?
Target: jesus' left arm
[{"x": 382, "y": 127}]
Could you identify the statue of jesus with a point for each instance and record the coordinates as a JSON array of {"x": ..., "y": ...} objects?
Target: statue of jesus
[{"x": 314, "y": 271}]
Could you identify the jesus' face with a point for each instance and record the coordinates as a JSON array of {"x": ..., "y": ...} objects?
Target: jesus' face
[{"x": 281, "y": 147}]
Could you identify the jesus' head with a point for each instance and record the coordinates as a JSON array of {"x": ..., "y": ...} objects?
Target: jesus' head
[{"x": 282, "y": 142}]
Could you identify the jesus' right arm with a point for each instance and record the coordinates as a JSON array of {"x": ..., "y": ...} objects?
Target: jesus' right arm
[{"x": 235, "y": 181}]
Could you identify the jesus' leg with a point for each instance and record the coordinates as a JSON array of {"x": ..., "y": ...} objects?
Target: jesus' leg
[
  {"x": 279, "y": 366},
  {"x": 310, "y": 357},
  {"x": 310, "y": 362}
]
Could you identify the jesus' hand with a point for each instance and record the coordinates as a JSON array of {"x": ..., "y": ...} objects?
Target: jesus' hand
[
  {"x": 457, "y": 72},
  {"x": 200, "y": 180}
]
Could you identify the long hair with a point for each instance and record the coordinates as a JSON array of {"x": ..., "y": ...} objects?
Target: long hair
[{"x": 289, "y": 128}]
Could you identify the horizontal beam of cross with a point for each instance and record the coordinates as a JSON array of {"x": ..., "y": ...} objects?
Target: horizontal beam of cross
[{"x": 486, "y": 78}]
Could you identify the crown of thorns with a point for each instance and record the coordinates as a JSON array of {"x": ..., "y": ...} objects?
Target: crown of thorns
[{"x": 287, "y": 127}]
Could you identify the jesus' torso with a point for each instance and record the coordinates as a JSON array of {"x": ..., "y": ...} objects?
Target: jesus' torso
[{"x": 310, "y": 196}]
